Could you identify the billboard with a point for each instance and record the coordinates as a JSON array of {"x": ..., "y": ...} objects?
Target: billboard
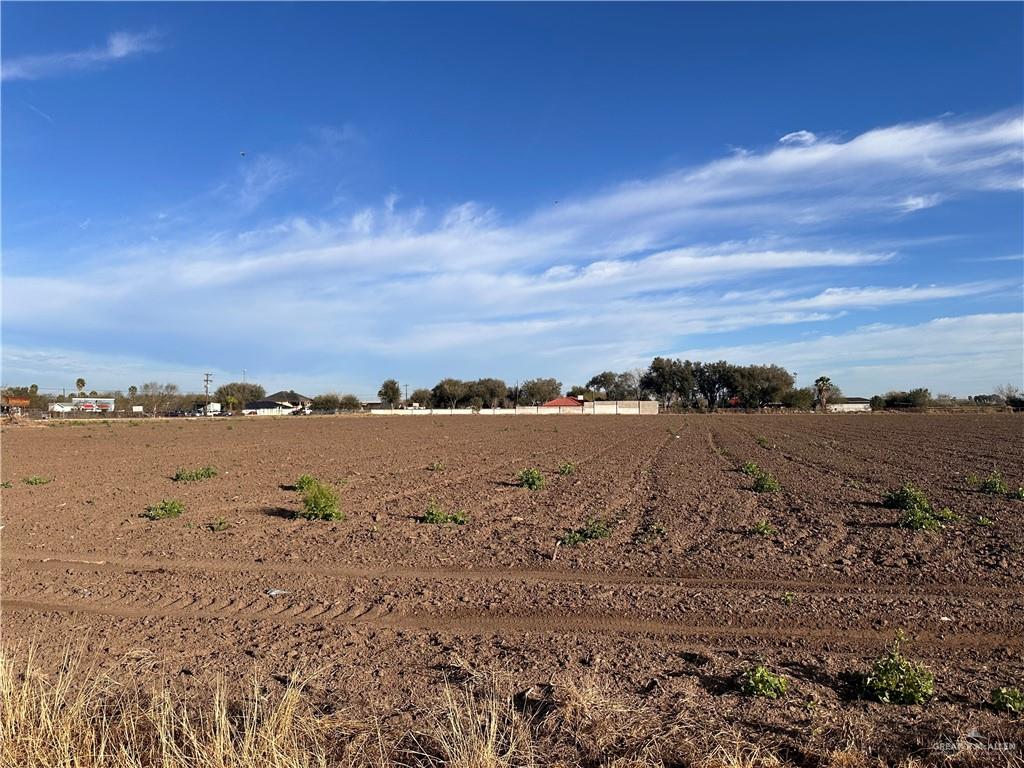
[{"x": 93, "y": 404}]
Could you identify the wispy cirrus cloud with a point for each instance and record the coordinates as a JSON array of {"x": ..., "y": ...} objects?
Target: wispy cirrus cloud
[
  {"x": 119, "y": 45},
  {"x": 753, "y": 241}
]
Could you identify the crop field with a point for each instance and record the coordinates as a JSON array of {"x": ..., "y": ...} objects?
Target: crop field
[{"x": 616, "y": 612}]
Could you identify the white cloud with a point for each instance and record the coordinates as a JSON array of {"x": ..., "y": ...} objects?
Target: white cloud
[
  {"x": 801, "y": 138},
  {"x": 913, "y": 203},
  {"x": 120, "y": 45}
]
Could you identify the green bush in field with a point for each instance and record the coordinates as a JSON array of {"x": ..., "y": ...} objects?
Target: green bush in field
[
  {"x": 750, "y": 468},
  {"x": 894, "y": 679},
  {"x": 1008, "y": 700},
  {"x": 437, "y": 515},
  {"x": 37, "y": 480},
  {"x": 918, "y": 512},
  {"x": 994, "y": 484},
  {"x": 165, "y": 509},
  {"x": 305, "y": 482},
  {"x": 194, "y": 475},
  {"x": 591, "y": 530},
  {"x": 530, "y": 478},
  {"x": 568, "y": 468},
  {"x": 765, "y": 483},
  {"x": 320, "y": 502},
  {"x": 761, "y": 681}
]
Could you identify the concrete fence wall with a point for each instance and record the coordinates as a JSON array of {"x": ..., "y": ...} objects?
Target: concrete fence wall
[{"x": 601, "y": 408}]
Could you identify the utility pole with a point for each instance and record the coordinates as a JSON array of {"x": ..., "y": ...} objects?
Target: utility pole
[
  {"x": 243, "y": 375},
  {"x": 207, "y": 378},
  {"x": 407, "y": 393}
]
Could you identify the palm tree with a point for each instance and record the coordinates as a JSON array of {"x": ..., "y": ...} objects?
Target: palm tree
[
  {"x": 823, "y": 388},
  {"x": 80, "y": 384}
]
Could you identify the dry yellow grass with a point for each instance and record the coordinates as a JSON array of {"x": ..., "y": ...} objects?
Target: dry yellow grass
[{"x": 79, "y": 717}]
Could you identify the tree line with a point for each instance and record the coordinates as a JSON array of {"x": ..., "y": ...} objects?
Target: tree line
[{"x": 676, "y": 384}]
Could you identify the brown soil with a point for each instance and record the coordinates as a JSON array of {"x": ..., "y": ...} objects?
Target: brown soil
[{"x": 668, "y": 610}]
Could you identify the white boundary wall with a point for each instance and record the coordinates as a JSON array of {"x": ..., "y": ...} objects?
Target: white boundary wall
[{"x": 600, "y": 408}]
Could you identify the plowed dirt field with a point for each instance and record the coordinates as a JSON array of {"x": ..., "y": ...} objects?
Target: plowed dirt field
[{"x": 667, "y": 610}]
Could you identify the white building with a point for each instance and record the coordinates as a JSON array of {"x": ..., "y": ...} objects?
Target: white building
[{"x": 850, "y": 405}]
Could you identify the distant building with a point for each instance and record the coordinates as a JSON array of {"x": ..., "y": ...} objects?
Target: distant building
[
  {"x": 279, "y": 404},
  {"x": 850, "y": 405}
]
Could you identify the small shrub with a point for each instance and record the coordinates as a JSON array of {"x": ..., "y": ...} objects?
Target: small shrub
[
  {"x": 37, "y": 480},
  {"x": 218, "y": 525},
  {"x": 530, "y": 478},
  {"x": 436, "y": 466},
  {"x": 6, "y": 484},
  {"x": 918, "y": 513},
  {"x": 907, "y": 497},
  {"x": 750, "y": 468},
  {"x": 761, "y": 681},
  {"x": 194, "y": 475},
  {"x": 305, "y": 482},
  {"x": 763, "y": 528},
  {"x": 994, "y": 484},
  {"x": 436, "y": 515},
  {"x": 764, "y": 442},
  {"x": 568, "y": 468},
  {"x": 1018, "y": 494},
  {"x": 1008, "y": 700},
  {"x": 765, "y": 483},
  {"x": 984, "y": 522},
  {"x": 593, "y": 529},
  {"x": 788, "y": 598},
  {"x": 894, "y": 679},
  {"x": 165, "y": 509},
  {"x": 320, "y": 502}
]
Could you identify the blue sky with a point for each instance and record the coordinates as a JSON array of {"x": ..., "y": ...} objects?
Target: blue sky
[{"x": 513, "y": 190}]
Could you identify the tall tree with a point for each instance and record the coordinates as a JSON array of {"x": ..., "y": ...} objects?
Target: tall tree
[
  {"x": 602, "y": 382},
  {"x": 80, "y": 385},
  {"x": 421, "y": 397},
  {"x": 390, "y": 393},
  {"x": 239, "y": 392},
  {"x": 823, "y": 389},
  {"x": 448, "y": 392},
  {"x": 713, "y": 380},
  {"x": 492, "y": 392},
  {"x": 133, "y": 392},
  {"x": 539, "y": 391}
]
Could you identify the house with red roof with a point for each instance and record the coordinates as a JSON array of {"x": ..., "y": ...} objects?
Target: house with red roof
[{"x": 563, "y": 402}]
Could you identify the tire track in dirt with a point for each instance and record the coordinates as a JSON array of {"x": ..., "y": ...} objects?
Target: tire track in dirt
[
  {"x": 32, "y": 562},
  {"x": 361, "y": 614}
]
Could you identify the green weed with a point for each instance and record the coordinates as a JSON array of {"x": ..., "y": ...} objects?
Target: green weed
[
  {"x": 305, "y": 482},
  {"x": 593, "y": 529},
  {"x": 1008, "y": 700},
  {"x": 218, "y": 525},
  {"x": 530, "y": 478},
  {"x": 37, "y": 480},
  {"x": 894, "y": 679},
  {"x": 761, "y": 681},
  {"x": 436, "y": 466},
  {"x": 319, "y": 502},
  {"x": 194, "y": 475},
  {"x": 994, "y": 484},
  {"x": 568, "y": 468},
  {"x": 437, "y": 515},
  {"x": 763, "y": 528},
  {"x": 165, "y": 509}
]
